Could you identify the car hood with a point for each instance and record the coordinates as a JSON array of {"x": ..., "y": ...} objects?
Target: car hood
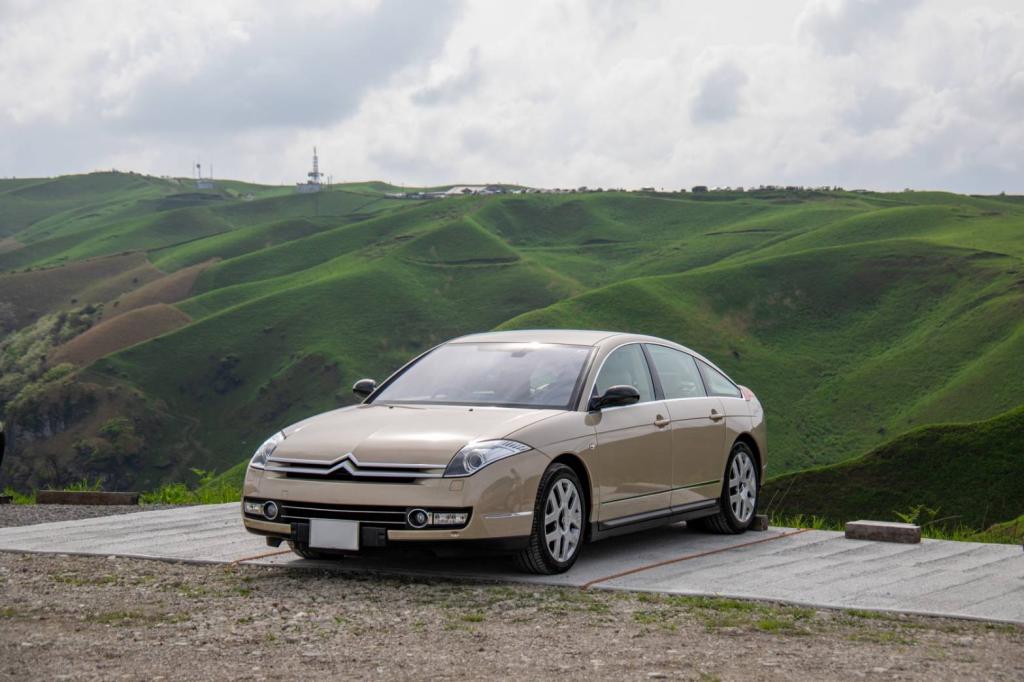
[{"x": 401, "y": 434}]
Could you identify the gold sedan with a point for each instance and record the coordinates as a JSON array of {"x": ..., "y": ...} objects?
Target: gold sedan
[{"x": 526, "y": 442}]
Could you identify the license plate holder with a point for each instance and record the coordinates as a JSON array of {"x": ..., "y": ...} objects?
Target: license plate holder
[{"x": 333, "y": 534}]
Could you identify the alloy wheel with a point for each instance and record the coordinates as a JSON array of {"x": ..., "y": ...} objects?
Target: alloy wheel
[
  {"x": 742, "y": 487},
  {"x": 563, "y": 520}
]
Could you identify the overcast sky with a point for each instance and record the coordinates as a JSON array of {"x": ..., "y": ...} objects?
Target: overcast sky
[{"x": 878, "y": 94}]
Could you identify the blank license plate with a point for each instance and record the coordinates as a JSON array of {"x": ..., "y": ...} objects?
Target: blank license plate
[{"x": 333, "y": 534}]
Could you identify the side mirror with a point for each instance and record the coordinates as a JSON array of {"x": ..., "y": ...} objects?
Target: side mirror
[
  {"x": 364, "y": 387},
  {"x": 615, "y": 396}
]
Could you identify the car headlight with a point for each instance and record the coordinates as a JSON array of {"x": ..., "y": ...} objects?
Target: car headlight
[
  {"x": 263, "y": 452},
  {"x": 476, "y": 456}
]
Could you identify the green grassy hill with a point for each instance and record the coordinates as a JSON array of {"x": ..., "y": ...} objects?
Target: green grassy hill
[
  {"x": 967, "y": 473},
  {"x": 854, "y": 316},
  {"x": 845, "y": 345}
]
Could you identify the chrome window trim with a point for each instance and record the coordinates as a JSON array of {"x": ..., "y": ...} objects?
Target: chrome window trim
[
  {"x": 725, "y": 376},
  {"x": 592, "y": 381},
  {"x": 696, "y": 361}
]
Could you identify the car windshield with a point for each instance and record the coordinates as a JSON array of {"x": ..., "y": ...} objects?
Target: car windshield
[{"x": 530, "y": 375}]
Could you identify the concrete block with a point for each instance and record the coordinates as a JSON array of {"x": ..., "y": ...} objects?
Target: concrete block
[
  {"x": 883, "y": 531},
  {"x": 91, "y": 497},
  {"x": 760, "y": 523}
]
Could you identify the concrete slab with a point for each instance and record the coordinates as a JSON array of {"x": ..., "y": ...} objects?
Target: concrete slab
[
  {"x": 808, "y": 567},
  {"x": 94, "y": 497},
  {"x": 884, "y": 531}
]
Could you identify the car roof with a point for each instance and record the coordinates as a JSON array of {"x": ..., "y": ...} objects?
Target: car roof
[{"x": 576, "y": 337}]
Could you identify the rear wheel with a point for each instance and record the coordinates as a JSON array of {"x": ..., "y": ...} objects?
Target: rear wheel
[
  {"x": 738, "y": 503},
  {"x": 558, "y": 530}
]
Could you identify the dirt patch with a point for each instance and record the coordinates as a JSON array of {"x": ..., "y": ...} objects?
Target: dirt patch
[
  {"x": 106, "y": 289},
  {"x": 121, "y": 332},
  {"x": 97, "y": 618},
  {"x": 170, "y": 288},
  {"x": 37, "y": 292},
  {"x": 9, "y": 244}
]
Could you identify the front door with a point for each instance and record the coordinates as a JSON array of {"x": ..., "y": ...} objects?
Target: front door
[
  {"x": 633, "y": 455},
  {"x": 698, "y": 427}
]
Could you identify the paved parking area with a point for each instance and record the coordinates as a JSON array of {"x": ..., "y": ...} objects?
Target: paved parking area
[{"x": 814, "y": 568}]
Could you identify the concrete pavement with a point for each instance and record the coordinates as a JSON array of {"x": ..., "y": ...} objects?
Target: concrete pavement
[{"x": 814, "y": 568}]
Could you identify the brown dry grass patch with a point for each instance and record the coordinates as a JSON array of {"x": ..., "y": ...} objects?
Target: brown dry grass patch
[
  {"x": 121, "y": 332},
  {"x": 168, "y": 289},
  {"x": 38, "y": 292}
]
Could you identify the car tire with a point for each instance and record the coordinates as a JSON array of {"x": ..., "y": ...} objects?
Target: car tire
[
  {"x": 554, "y": 546},
  {"x": 738, "y": 504},
  {"x": 307, "y": 552}
]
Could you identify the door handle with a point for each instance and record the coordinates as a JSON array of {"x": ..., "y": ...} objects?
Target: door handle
[
  {"x": 661, "y": 422},
  {"x": 714, "y": 416}
]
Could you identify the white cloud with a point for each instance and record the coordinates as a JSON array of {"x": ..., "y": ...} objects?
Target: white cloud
[
  {"x": 867, "y": 94},
  {"x": 718, "y": 96}
]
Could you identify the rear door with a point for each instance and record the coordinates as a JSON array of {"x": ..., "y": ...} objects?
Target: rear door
[
  {"x": 633, "y": 455},
  {"x": 735, "y": 408},
  {"x": 698, "y": 426}
]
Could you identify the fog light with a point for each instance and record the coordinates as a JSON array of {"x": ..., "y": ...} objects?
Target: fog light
[
  {"x": 253, "y": 508},
  {"x": 450, "y": 518},
  {"x": 417, "y": 518},
  {"x": 270, "y": 510}
]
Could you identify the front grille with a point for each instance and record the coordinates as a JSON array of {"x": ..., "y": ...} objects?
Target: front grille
[
  {"x": 343, "y": 475},
  {"x": 381, "y": 516},
  {"x": 349, "y": 468}
]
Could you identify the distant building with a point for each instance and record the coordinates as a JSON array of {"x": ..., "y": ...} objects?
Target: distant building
[
  {"x": 699, "y": 189},
  {"x": 466, "y": 189}
]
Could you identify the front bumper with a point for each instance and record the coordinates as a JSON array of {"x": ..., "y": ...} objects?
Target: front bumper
[
  {"x": 499, "y": 499},
  {"x": 374, "y": 537}
]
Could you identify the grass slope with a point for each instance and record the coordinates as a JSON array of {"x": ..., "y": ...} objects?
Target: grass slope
[
  {"x": 970, "y": 473},
  {"x": 842, "y": 345},
  {"x": 853, "y": 315},
  {"x": 253, "y": 367}
]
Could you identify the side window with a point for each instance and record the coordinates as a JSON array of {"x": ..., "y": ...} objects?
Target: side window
[
  {"x": 717, "y": 383},
  {"x": 677, "y": 372},
  {"x": 626, "y": 366}
]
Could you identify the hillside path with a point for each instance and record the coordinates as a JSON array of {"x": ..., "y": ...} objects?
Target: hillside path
[{"x": 805, "y": 567}]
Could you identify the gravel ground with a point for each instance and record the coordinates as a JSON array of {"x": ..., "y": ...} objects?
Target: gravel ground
[
  {"x": 94, "y": 618},
  {"x": 29, "y": 514}
]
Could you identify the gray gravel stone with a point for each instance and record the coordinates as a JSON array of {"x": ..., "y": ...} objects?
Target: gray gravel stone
[
  {"x": 30, "y": 514},
  {"x": 90, "y": 618}
]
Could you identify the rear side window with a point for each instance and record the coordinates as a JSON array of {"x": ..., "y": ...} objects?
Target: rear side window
[
  {"x": 677, "y": 372},
  {"x": 717, "y": 383},
  {"x": 626, "y": 366}
]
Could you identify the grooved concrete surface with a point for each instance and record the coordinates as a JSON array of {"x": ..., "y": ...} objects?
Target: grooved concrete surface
[{"x": 815, "y": 568}]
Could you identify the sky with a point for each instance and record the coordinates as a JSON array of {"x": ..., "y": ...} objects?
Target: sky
[{"x": 877, "y": 94}]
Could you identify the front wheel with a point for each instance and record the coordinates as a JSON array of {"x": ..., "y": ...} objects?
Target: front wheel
[
  {"x": 739, "y": 494},
  {"x": 558, "y": 532}
]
